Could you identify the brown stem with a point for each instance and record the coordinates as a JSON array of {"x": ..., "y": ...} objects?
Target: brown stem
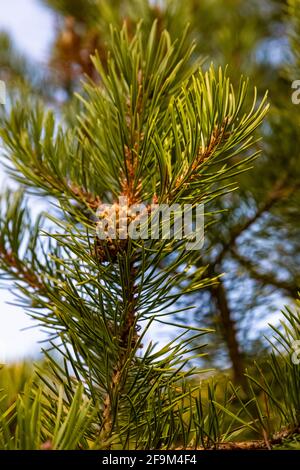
[
  {"x": 229, "y": 332},
  {"x": 128, "y": 337},
  {"x": 203, "y": 155},
  {"x": 127, "y": 341}
]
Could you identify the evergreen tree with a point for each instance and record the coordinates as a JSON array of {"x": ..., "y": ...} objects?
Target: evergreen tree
[
  {"x": 256, "y": 243},
  {"x": 153, "y": 129},
  {"x": 153, "y": 124}
]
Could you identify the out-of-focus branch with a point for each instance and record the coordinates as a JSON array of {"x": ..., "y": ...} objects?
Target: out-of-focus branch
[
  {"x": 267, "y": 278},
  {"x": 20, "y": 272},
  {"x": 279, "y": 191}
]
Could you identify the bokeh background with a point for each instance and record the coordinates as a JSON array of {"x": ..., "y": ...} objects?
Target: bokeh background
[
  {"x": 256, "y": 240},
  {"x": 32, "y": 28}
]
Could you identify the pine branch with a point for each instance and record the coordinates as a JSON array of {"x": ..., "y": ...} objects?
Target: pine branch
[
  {"x": 127, "y": 340},
  {"x": 153, "y": 118}
]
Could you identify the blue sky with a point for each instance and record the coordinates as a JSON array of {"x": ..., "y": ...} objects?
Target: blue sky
[{"x": 32, "y": 27}]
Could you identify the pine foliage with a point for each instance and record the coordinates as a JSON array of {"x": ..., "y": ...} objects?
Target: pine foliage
[{"x": 153, "y": 127}]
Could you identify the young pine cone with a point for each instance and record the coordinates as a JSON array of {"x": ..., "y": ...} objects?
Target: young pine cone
[{"x": 112, "y": 229}]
